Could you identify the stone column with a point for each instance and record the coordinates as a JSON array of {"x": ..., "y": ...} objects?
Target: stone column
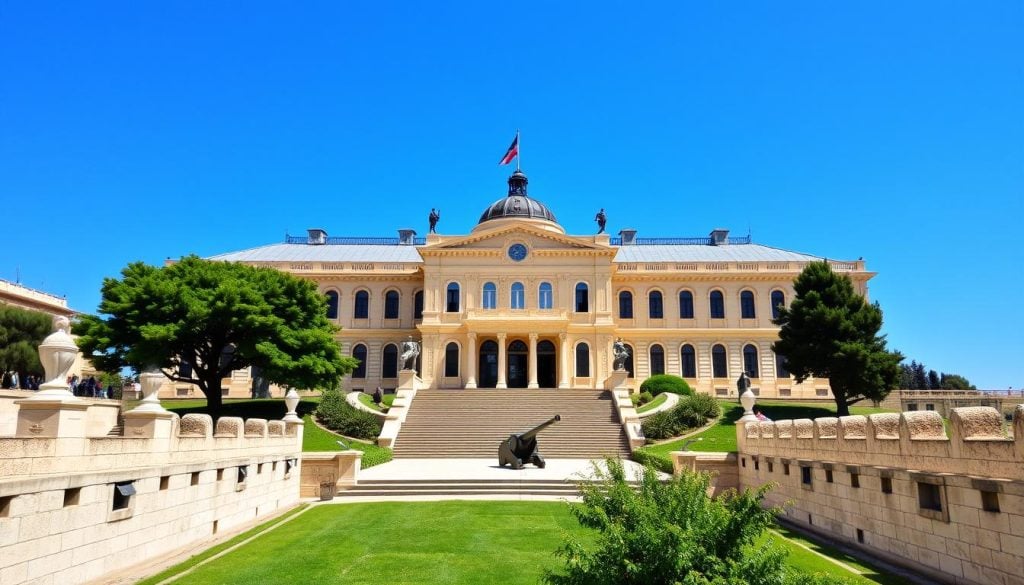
[
  {"x": 563, "y": 360},
  {"x": 471, "y": 359},
  {"x": 502, "y": 361},
  {"x": 533, "y": 362}
]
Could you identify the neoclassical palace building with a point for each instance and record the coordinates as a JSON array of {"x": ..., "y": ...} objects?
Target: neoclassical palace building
[{"x": 518, "y": 303}]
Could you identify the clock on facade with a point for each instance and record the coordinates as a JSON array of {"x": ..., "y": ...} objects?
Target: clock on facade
[{"x": 517, "y": 252}]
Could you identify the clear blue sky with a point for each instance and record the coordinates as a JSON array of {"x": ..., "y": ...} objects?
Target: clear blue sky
[{"x": 888, "y": 130}]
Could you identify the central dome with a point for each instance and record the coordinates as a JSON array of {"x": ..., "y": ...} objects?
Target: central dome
[{"x": 517, "y": 205}]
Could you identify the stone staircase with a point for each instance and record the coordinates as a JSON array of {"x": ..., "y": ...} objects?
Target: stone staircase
[{"x": 472, "y": 423}]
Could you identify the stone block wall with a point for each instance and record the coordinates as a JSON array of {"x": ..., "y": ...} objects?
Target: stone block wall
[
  {"x": 75, "y": 509},
  {"x": 896, "y": 486}
]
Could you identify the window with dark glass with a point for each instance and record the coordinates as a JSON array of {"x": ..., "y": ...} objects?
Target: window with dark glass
[
  {"x": 332, "y": 304},
  {"x": 688, "y": 357},
  {"x": 657, "y": 360},
  {"x": 778, "y": 300},
  {"x": 582, "y": 360},
  {"x": 359, "y": 353},
  {"x": 625, "y": 305},
  {"x": 451, "y": 360},
  {"x": 685, "y": 304},
  {"x": 780, "y": 367},
  {"x": 582, "y": 298},
  {"x": 490, "y": 300},
  {"x": 719, "y": 366},
  {"x": 750, "y": 361},
  {"x": 389, "y": 367},
  {"x": 362, "y": 305},
  {"x": 544, "y": 296},
  {"x": 629, "y": 361},
  {"x": 656, "y": 309},
  {"x": 717, "y": 304},
  {"x": 417, "y": 305},
  {"x": 452, "y": 299},
  {"x": 517, "y": 300},
  {"x": 391, "y": 299},
  {"x": 747, "y": 310}
]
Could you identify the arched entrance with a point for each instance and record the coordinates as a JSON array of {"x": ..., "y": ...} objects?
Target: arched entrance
[
  {"x": 488, "y": 364},
  {"x": 518, "y": 364},
  {"x": 547, "y": 373}
]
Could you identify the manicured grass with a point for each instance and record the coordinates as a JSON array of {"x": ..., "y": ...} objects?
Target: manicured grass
[
  {"x": 804, "y": 560},
  {"x": 314, "y": 438},
  {"x": 367, "y": 400},
  {"x": 453, "y": 542},
  {"x": 658, "y": 401}
]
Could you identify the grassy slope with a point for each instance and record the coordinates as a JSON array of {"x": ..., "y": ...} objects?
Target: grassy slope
[
  {"x": 450, "y": 542},
  {"x": 658, "y": 400}
]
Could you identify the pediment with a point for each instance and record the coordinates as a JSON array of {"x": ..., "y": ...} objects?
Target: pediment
[{"x": 500, "y": 237}]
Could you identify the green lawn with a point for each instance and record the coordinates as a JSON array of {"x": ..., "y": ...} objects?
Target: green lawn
[
  {"x": 367, "y": 400},
  {"x": 658, "y": 401},
  {"x": 314, "y": 438},
  {"x": 722, "y": 435},
  {"x": 453, "y": 542}
]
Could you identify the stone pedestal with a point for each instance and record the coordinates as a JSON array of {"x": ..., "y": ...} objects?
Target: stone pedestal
[
  {"x": 149, "y": 425},
  {"x": 616, "y": 380},
  {"x": 408, "y": 380},
  {"x": 65, "y": 418}
]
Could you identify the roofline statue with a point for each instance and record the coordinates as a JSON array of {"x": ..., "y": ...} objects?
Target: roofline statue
[
  {"x": 435, "y": 216},
  {"x": 601, "y": 220}
]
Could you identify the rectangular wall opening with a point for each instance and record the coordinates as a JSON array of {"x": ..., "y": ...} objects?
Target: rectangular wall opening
[
  {"x": 5, "y": 506},
  {"x": 805, "y": 475},
  {"x": 860, "y": 536},
  {"x": 123, "y": 492},
  {"x": 770, "y": 467},
  {"x": 785, "y": 469},
  {"x": 71, "y": 496},
  {"x": 195, "y": 478},
  {"x": 165, "y": 482},
  {"x": 929, "y": 497},
  {"x": 886, "y": 485},
  {"x": 989, "y": 501},
  {"x": 220, "y": 474},
  {"x": 828, "y": 476},
  {"x": 855, "y": 480}
]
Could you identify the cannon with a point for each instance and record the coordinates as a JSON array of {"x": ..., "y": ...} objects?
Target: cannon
[{"x": 520, "y": 448}]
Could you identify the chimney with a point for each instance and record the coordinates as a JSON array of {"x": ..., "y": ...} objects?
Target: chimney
[
  {"x": 406, "y": 237},
  {"x": 628, "y": 236},
  {"x": 317, "y": 237},
  {"x": 719, "y": 237}
]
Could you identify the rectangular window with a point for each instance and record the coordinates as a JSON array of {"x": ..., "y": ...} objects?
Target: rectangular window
[
  {"x": 785, "y": 469},
  {"x": 855, "y": 480},
  {"x": 686, "y": 305},
  {"x": 785, "y": 392},
  {"x": 929, "y": 406},
  {"x": 757, "y": 464},
  {"x": 929, "y": 496},
  {"x": 391, "y": 301},
  {"x": 821, "y": 392},
  {"x": 828, "y": 476},
  {"x": 771, "y": 467},
  {"x": 417, "y": 305},
  {"x": 911, "y": 406},
  {"x": 886, "y": 485},
  {"x": 721, "y": 391},
  {"x": 518, "y": 298},
  {"x": 625, "y": 306},
  {"x": 544, "y": 300},
  {"x": 989, "y": 501},
  {"x": 747, "y": 306},
  {"x": 362, "y": 306},
  {"x": 805, "y": 475},
  {"x": 656, "y": 306},
  {"x": 490, "y": 298}
]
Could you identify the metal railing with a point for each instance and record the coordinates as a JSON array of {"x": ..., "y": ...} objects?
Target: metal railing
[
  {"x": 706, "y": 241},
  {"x": 353, "y": 241}
]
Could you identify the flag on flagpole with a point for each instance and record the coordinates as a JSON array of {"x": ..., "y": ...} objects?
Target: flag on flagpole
[{"x": 513, "y": 151}]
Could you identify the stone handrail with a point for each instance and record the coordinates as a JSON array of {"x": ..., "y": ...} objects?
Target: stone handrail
[
  {"x": 671, "y": 400},
  {"x": 978, "y": 444},
  {"x": 353, "y": 399}
]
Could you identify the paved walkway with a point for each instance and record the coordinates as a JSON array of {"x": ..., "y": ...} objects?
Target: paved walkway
[{"x": 483, "y": 469}]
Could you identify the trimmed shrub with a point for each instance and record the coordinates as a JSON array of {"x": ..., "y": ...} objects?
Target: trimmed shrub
[
  {"x": 690, "y": 413},
  {"x": 646, "y": 397},
  {"x": 341, "y": 417},
  {"x": 666, "y": 383}
]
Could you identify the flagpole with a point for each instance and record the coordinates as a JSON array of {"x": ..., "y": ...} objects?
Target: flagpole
[{"x": 519, "y": 148}]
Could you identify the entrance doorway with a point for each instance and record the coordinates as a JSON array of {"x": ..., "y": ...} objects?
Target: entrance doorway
[
  {"x": 546, "y": 370},
  {"x": 488, "y": 364},
  {"x": 518, "y": 364}
]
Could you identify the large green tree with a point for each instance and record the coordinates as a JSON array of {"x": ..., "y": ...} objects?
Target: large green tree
[
  {"x": 21, "y": 332},
  {"x": 831, "y": 331},
  {"x": 213, "y": 318}
]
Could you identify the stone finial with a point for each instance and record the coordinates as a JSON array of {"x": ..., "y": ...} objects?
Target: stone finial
[
  {"x": 57, "y": 353},
  {"x": 884, "y": 425},
  {"x": 256, "y": 427},
  {"x": 853, "y": 427},
  {"x": 229, "y": 426},
  {"x": 826, "y": 427},
  {"x": 150, "y": 382},
  {"x": 291, "y": 401},
  {"x": 803, "y": 428},
  {"x": 922, "y": 425},
  {"x": 978, "y": 422},
  {"x": 197, "y": 425},
  {"x": 784, "y": 429},
  {"x": 275, "y": 428}
]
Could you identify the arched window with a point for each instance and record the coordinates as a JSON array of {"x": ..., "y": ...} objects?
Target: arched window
[
  {"x": 625, "y": 305},
  {"x": 778, "y": 300},
  {"x": 629, "y": 361},
  {"x": 747, "y": 310},
  {"x": 417, "y": 305},
  {"x": 582, "y": 360},
  {"x": 332, "y": 304},
  {"x": 656, "y": 309},
  {"x": 719, "y": 365},
  {"x": 490, "y": 296},
  {"x": 517, "y": 300},
  {"x": 582, "y": 298},
  {"x": 750, "y": 361},
  {"x": 685, "y": 304},
  {"x": 359, "y": 352},
  {"x": 451, "y": 360},
  {"x": 544, "y": 296},
  {"x": 362, "y": 305},
  {"x": 389, "y": 364},
  {"x": 391, "y": 304},
  {"x": 688, "y": 358},
  {"x": 780, "y": 366},
  {"x": 717, "y": 304},
  {"x": 452, "y": 299},
  {"x": 657, "y": 360}
]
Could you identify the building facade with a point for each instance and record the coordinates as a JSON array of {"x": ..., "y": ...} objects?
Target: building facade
[{"x": 517, "y": 302}]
